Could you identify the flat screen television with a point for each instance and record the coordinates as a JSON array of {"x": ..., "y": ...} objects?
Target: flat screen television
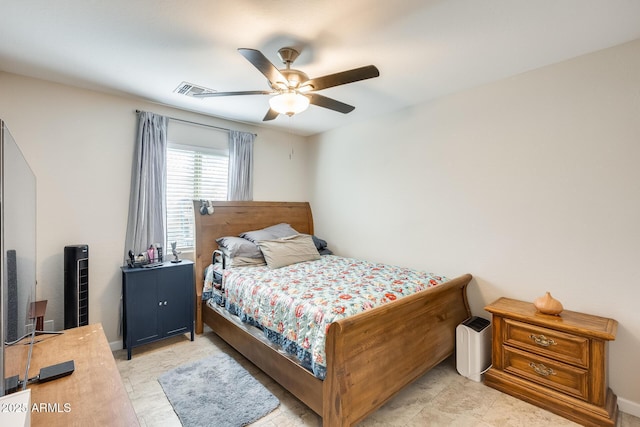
[{"x": 18, "y": 268}]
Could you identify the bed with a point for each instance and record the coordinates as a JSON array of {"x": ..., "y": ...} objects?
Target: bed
[{"x": 370, "y": 356}]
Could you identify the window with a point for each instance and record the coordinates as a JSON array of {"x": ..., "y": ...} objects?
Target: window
[{"x": 193, "y": 173}]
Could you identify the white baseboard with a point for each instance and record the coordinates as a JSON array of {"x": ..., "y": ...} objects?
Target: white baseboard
[
  {"x": 116, "y": 345},
  {"x": 629, "y": 407}
]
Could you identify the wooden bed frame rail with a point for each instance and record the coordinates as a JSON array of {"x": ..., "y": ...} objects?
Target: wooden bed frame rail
[{"x": 370, "y": 356}]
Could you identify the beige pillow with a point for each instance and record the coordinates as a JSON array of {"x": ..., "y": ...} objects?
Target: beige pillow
[
  {"x": 241, "y": 261},
  {"x": 288, "y": 250}
]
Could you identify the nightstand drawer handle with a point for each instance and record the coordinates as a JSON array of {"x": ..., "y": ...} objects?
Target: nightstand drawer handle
[
  {"x": 542, "y": 370},
  {"x": 542, "y": 340}
]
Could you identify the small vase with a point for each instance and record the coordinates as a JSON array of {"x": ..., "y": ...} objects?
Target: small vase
[{"x": 548, "y": 305}]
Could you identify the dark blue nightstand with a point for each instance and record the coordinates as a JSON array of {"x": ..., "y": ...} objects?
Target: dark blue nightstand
[{"x": 158, "y": 303}]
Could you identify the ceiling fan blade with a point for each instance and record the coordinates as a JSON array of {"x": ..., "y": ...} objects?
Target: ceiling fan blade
[
  {"x": 332, "y": 104},
  {"x": 271, "y": 114},
  {"x": 344, "y": 77},
  {"x": 246, "y": 92},
  {"x": 264, "y": 65}
]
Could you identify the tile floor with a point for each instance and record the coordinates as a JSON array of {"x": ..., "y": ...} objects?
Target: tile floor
[{"x": 440, "y": 398}]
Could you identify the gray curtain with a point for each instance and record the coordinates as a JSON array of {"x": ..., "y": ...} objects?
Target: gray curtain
[
  {"x": 240, "y": 165},
  {"x": 147, "y": 203}
]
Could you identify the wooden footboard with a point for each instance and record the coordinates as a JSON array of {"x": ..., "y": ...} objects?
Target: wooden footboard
[
  {"x": 373, "y": 355},
  {"x": 370, "y": 356}
]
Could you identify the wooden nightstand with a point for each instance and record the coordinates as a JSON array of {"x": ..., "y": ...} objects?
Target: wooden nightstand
[{"x": 556, "y": 362}]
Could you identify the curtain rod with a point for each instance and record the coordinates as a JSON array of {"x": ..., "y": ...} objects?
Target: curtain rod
[{"x": 197, "y": 124}]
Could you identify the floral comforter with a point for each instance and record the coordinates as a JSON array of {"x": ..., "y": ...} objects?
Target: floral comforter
[{"x": 295, "y": 305}]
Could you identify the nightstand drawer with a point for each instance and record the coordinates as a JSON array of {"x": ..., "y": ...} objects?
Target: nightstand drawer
[
  {"x": 549, "y": 373},
  {"x": 547, "y": 342}
]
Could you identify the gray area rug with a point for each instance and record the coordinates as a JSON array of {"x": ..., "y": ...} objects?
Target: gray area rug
[{"x": 216, "y": 391}]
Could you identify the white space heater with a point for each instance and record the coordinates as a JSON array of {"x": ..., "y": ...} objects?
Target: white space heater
[{"x": 473, "y": 347}]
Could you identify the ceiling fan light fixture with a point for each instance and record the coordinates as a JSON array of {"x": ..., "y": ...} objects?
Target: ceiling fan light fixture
[
  {"x": 289, "y": 103},
  {"x": 305, "y": 88},
  {"x": 280, "y": 85}
]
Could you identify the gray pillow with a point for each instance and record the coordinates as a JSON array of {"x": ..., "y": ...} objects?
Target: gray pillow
[
  {"x": 288, "y": 250},
  {"x": 320, "y": 244},
  {"x": 277, "y": 231},
  {"x": 236, "y": 246}
]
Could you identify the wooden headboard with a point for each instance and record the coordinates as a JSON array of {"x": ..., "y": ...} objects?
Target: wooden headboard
[{"x": 233, "y": 218}]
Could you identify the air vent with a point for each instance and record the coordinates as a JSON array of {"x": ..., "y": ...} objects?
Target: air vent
[{"x": 189, "y": 89}]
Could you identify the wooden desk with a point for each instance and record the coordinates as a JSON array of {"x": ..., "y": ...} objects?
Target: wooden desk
[{"x": 93, "y": 395}]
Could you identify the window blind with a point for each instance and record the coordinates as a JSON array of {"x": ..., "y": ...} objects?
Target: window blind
[{"x": 193, "y": 173}]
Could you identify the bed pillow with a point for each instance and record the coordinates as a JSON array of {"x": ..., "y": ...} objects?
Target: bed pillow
[
  {"x": 320, "y": 243},
  {"x": 277, "y": 231},
  {"x": 321, "y": 246},
  {"x": 236, "y": 246},
  {"x": 242, "y": 261},
  {"x": 288, "y": 250}
]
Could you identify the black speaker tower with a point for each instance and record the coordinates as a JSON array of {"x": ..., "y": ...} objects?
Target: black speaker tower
[{"x": 76, "y": 286}]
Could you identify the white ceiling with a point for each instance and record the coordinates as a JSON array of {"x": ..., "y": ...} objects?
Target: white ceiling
[{"x": 424, "y": 49}]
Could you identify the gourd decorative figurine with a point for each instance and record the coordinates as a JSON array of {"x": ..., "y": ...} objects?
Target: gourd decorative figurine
[
  {"x": 175, "y": 252},
  {"x": 548, "y": 305}
]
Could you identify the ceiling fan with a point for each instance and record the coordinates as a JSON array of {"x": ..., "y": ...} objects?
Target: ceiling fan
[{"x": 293, "y": 89}]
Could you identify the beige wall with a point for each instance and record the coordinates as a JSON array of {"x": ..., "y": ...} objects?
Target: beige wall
[
  {"x": 531, "y": 184},
  {"x": 80, "y": 146}
]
